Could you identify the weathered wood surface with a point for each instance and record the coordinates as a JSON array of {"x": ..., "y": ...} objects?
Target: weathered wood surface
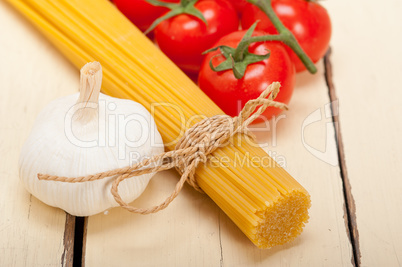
[
  {"x": 32, "y": 73},
  {"x": 367, "y": 67},
  {"x": 366, "y": 76}
]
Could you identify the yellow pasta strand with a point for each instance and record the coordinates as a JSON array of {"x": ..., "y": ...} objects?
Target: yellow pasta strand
[{"x": 265, "y": 202}]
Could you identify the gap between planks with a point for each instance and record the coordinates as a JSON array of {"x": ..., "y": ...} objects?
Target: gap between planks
[
  {"x": 67, "y": 258},
  {"x": 350, "y": 207},
  {"x": 74, "y": 241}
]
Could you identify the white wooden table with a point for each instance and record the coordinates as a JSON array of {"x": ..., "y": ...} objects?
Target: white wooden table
[{"x": 350, "y": 164}]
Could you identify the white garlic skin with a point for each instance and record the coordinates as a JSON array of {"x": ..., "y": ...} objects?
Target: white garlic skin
[{"x": 51, "y": 149}]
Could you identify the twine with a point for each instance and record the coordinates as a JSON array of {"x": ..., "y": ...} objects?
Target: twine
[{"x": 193, "y": 148}]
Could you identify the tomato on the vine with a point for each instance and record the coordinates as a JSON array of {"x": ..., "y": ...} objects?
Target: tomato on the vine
[
  {"x": 184, "y": 37},
  {"x": 307, "y": 20},
  {"x": 140, "y": 12},
  {"x": 230, "y": 93}
]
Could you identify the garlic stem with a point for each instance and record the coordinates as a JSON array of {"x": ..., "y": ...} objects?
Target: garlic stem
[{"x": 90, "y": 85}]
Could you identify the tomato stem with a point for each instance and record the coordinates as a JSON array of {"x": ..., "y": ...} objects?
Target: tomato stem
[
  {"x": 284, "y": 34},
  {"x": 242, "y": 48},
  {"x": 237, "y": 59}
]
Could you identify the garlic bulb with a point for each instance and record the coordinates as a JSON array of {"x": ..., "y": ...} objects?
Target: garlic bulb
[{"x": 85, "y": 134}]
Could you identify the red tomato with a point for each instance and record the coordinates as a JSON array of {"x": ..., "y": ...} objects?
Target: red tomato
[
  {"x": 239, "y": 5},
  {"x": 140, "y": 12},
  {"x": 231, "y": 94},
  {"x": 183, "y": 38},
  {"x": 307, "y": 20}
]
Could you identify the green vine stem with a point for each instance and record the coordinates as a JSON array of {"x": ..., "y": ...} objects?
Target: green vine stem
[
  {"x": 184, "y": 7},
  {"x": 284, "y": 35}
]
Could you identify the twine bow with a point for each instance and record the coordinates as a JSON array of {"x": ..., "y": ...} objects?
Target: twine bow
[{"x": 193, "y": 148}]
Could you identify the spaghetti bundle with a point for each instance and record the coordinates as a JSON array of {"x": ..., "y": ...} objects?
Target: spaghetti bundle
[{"x": 264, "y": 201}]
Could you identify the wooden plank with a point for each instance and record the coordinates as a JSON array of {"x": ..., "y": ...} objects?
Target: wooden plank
[
  {"x": 367, "y": 78},
  {"x": 32, "y": 74},
  {"x": 184, "y": 234},
  {"x": 194, "y": 232}
]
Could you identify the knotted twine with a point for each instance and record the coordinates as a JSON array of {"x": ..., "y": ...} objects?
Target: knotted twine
[{"x": 193, "y": 148}]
